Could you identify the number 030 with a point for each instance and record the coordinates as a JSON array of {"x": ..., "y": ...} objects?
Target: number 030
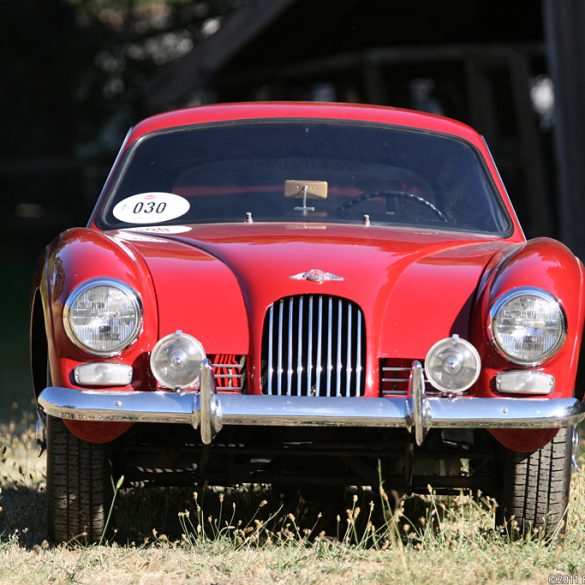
[{"x": 149, "y": 207}]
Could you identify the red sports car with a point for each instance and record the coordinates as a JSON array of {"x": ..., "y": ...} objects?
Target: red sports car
[{"x": 306, "y": 293}]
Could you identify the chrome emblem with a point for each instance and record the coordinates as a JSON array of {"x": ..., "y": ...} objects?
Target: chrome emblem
[{"x": 315, "y": 275}]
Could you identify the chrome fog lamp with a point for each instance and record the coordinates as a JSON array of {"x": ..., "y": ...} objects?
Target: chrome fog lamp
[
  {"x": 176, "y": 360},
  {"x": 452, "y": 365},
  {"x": 527, "y": 326},
  {"x": 103, "y": 316}
]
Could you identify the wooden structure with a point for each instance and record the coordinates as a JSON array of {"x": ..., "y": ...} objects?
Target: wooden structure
[
  {"x": 478, "y": 62},
  {"x": 565, "y": 23}
]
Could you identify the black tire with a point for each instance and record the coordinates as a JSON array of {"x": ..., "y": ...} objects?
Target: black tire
[
  {"x": 79, "y": 486},
  {"x": 535, "y": 489}
]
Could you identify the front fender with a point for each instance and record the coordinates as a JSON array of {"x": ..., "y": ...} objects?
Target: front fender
[
  {"x": 549, "y": 265},
  {"x": 76, "y": 256}
]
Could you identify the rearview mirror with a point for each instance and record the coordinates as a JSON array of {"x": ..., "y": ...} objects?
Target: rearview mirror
[{"x": 305, "y": 189}]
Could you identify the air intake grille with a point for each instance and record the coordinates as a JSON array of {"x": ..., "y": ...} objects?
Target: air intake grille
[
  {"x": 394, "y": 375},
  {"x": 313, "y": 345},
  {"x": 229, "y": 372}
]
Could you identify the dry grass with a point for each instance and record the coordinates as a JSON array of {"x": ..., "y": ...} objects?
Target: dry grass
[{"x": 248, "y": 537}]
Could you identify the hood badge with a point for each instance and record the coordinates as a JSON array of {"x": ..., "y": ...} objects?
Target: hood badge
[{"x": 315, "y": 275}]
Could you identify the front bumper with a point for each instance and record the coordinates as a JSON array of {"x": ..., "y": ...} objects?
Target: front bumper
[{"x": 209, "y": 412}]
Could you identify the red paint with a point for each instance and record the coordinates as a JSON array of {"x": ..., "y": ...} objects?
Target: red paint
[
  {"x": 264, "y": 256},
  {"x": 217, "y": 281}
]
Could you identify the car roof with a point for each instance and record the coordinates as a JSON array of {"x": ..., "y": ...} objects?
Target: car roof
[{"x": 303, "y": 110}]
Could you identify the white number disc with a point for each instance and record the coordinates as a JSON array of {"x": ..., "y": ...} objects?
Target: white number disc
[{"x": 151, "y": 208}]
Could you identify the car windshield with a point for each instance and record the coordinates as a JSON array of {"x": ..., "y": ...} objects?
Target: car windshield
[{"x": 306, "y": 171}]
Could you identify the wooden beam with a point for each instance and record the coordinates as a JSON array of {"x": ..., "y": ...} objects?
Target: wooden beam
[
  {"x": 375, "y": 57},
  {"x": 538, "y": 200},
  {"x": 192, "y": 71},
  {"x": 564, "y": 25}
]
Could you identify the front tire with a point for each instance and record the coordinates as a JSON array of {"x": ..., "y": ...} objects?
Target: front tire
[
  {"x": 535, "y": 489},
  {"x": 79, "y": 486}
]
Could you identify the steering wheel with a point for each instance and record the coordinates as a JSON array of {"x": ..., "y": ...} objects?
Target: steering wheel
[{"x": 396, "y": 193}]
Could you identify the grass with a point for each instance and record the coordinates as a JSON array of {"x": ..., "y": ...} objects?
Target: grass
[{"x": 249, "y": 536}]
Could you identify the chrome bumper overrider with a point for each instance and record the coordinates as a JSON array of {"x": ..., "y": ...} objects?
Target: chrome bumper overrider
[{"x": 209, "y": 412}]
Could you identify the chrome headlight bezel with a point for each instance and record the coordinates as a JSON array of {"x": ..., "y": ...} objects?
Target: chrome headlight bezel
[
  {"x": 512, "y": 295},
  {"x": 135, "y": 301}
]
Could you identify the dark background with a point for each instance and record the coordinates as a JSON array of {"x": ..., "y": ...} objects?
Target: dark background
[
  {"x": 72, "y": 82},
  {"x": 76, "y": 74}
]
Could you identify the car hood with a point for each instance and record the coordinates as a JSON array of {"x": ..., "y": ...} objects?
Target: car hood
[{"x": 413, "y": 286}]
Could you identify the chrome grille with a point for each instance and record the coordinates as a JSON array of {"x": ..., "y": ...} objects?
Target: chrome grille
[{"x": 313, "y": 345}]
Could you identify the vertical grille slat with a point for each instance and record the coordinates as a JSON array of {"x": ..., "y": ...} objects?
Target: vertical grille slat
[
  {"x": 289, "y": 370},
  {"x": 270, "y": 348},
  {"x": 348, "y": 360},
  {"x": 318, "y": 365},
  {"x": 358, "y": 369},
  {"x": 279, "y": 366},
  {"x": 329, "y": 343},
  {"x": 339, "y": 340},
  {"x": 300, "y": 345},
  {"x": 300, "y": 353},
  {"x": 310, "y": 343}
]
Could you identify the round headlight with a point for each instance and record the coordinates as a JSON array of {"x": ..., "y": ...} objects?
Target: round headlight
[
  {"x": 176, "y": 360},
  {"x": 103, "y": 316},
  {"x": 527, "y": 326},
  {"x": 452, "y": 364}
]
